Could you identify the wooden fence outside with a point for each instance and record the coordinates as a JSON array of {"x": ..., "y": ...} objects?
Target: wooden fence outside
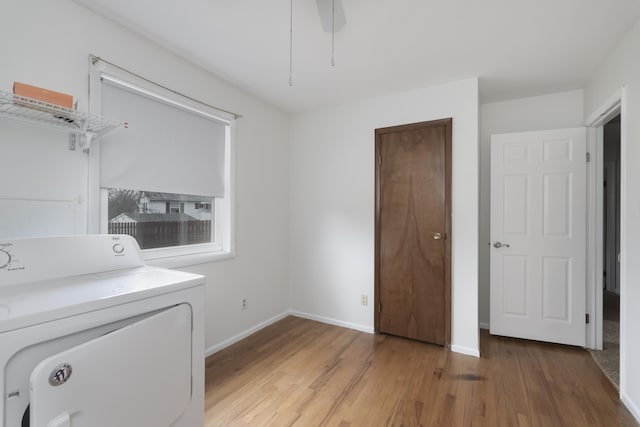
[{"x": 164, "y": 234}]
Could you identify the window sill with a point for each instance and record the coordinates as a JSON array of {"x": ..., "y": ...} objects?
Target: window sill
[{"x": 190, "y": 259}]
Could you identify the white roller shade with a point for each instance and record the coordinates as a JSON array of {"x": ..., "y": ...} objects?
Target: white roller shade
[{"x": 169, "y": 147}]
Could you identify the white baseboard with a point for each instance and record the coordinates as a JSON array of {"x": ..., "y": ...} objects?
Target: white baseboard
[
  {"x": 330, "y": 321},
  {"x": 465, "y": 350},
  {"x": 631, "y": 406},
  {"x": 368, "y": 329},
  {"x": 484, "y": 325},
  {"x": 242, "y": 335}
]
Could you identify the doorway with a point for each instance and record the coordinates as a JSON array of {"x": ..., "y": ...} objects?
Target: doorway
[
  {"x": 413, "y": 231},
  {"x": 608, "y": 358}
]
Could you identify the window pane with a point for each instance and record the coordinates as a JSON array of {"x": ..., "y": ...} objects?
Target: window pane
[{"x": 161, "y": 220}]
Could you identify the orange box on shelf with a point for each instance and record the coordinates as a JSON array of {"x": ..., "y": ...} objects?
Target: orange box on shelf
[{"x": 45, "y": 95}]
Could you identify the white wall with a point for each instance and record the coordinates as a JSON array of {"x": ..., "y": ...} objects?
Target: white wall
[
  {"x": 47, "y": 43},
  {"x": 554, "y": 111},
  {"x": 622, "y": 68},
  {"x": 332, "y": 204}
]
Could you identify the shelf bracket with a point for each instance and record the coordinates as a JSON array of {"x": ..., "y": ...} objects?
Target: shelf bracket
[{"x": 72, "y": 141}]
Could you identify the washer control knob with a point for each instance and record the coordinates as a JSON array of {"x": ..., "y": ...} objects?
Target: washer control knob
[
  {"x": 5, "y": 258},
  {"x": 118, "y": 248}
]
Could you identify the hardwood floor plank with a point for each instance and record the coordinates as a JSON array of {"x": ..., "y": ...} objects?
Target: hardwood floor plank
[{"x": 298, "y": 372}]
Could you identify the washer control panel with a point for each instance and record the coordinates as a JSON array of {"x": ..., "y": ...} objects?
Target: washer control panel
[{"x": 35, "y": 259}]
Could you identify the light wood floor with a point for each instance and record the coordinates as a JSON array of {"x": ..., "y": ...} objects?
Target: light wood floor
[{"x": 304, "y": 373}]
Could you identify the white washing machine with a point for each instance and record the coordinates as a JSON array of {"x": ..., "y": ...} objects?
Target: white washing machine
[{"x": 90, "y": 336}]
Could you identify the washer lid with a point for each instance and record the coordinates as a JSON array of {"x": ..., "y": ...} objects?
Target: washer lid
[{"x": 29, "y": 304}]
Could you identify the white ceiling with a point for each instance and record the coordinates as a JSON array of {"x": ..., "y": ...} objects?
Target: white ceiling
[{"x": 517, "y": 47}]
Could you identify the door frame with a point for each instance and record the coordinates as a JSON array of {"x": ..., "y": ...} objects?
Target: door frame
[
  {"x": 616, "y": 104},
  {"x": 447, "y": 246}
]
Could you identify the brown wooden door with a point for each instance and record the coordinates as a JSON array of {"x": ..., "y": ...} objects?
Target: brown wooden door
[{"x": 413, "y": 211}]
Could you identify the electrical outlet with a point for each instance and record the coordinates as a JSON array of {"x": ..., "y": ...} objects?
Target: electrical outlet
[
  {"x": 364, "y": 300},
  {"x": 244, "y": 303}
]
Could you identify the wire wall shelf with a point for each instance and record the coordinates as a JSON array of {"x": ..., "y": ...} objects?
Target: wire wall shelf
[{"x": 86, "y": 126}]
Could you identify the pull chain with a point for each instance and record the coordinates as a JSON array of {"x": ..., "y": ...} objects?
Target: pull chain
[
  {"x": 291, "y": 45},
  {"x": 333, "y": 32}
]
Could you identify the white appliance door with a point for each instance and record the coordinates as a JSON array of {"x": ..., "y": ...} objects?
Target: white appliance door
[
  {"x": 538, "y": 235},
  {"x": 139, "y": 376}
]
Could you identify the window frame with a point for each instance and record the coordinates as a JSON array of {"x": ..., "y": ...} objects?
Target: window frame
[{"x": 224, "y": 208}]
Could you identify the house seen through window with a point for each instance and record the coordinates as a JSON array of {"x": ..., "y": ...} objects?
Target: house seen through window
[{"x": 159, "y": 220}]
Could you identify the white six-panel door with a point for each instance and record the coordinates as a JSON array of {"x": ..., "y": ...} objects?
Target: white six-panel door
[{"x": 538, "y": 235}]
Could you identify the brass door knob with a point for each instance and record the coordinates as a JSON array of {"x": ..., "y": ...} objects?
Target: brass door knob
[{"x": 437, "y": 236}]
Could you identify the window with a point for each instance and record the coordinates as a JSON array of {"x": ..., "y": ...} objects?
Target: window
[
  {"x": 175, "y": 207},
  {"x": 181, "y": 216}
]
